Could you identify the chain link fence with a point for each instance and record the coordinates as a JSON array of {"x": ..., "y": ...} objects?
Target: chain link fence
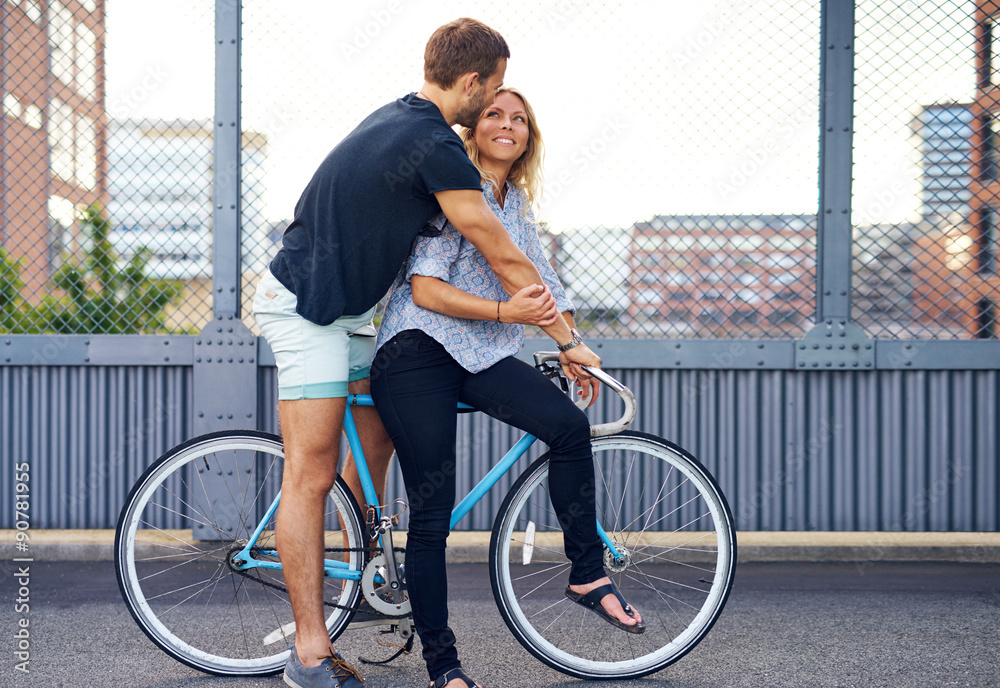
[
  {"x": 107, "y": 150},
  {"x": 681, "y": 146},
  {"x": 925, "y": 239},
  {"x": 681, "y": 165}
]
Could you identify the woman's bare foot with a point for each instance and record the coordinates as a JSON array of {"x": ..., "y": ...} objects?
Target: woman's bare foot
[{"x": 609, "y": 602}]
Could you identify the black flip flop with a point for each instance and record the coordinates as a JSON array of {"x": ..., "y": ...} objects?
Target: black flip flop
[
  {"x": 592, "y": 601},
  {"x": 443, "y": 679}
]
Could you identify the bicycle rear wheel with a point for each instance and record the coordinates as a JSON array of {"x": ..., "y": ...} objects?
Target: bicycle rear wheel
[
  {"x": 188, "y": 514},
  {"x": 670, "y": 522}
]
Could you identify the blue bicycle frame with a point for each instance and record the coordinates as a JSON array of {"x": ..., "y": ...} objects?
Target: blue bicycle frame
[{"x": 340, "y": 569}]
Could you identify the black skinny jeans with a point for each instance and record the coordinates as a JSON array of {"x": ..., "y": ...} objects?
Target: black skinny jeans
[{"x": 417, "y": 385}]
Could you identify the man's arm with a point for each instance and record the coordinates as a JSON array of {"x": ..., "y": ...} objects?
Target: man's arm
[
  {"x": 467, "y": 211},
  {"x": 532, "y": 305}
]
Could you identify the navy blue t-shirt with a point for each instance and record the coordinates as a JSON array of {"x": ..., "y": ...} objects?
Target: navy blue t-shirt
[{"x": 360, "y": 212}]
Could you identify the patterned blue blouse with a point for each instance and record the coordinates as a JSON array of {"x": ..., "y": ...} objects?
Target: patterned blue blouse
[{"x": 474, "y": 344}]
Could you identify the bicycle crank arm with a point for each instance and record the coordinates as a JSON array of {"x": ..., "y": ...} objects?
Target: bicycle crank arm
[{"x": 392, "y": 569}]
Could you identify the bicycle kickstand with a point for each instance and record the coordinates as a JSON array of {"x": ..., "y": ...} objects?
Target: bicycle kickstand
[{"x": 405, "y": 630}]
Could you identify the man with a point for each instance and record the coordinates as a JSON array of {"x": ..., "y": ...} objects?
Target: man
[{"x": 352, "y": 230}]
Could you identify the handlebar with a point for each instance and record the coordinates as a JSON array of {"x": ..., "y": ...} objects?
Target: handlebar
[{"x": 543, "y": 361}]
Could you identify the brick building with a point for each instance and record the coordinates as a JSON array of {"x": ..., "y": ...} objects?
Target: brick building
[
  {"x": 956, "y": 259},
  {"x": 981, "y": 296},
  {"x": 731, "y": 275},
  {"x": 52, "y": 135}
]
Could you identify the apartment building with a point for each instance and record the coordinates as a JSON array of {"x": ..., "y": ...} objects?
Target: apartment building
[
  {"x": 160, "y": 188},
  {"x": 979, "y": 238},
  {"x": 730, "y": 275},
  {"x": 53, "y": 129}
]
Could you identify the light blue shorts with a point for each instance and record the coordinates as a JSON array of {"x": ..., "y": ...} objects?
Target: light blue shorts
[{"x": 314, "y": 361}]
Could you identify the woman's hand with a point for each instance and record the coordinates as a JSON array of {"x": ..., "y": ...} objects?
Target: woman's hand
[
  {"x": 533, "y": 305},
  {"x": 572, "y": 360}
]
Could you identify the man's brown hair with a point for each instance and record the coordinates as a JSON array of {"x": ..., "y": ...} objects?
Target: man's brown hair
[{"x": 463, "y": 46}]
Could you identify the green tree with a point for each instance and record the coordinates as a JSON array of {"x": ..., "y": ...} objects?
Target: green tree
[
  {"x": 11, "y": 313},
  {"x": 99, "y": 295}
]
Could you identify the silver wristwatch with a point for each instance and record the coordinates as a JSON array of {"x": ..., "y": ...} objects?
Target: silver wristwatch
[{"x": 575, "y": 341}]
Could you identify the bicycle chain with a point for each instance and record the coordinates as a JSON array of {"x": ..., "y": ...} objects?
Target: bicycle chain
[{"x": 281, "y": 588}]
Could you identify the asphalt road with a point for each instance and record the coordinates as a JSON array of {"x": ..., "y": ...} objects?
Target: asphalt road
[{"x": 785, "y": 625}]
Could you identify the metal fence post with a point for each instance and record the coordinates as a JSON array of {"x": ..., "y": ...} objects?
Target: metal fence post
[
  {"x": 226, "y": 253},
  {"x": 225, "y": 353},
  {"x": 836, "y": 159},
  {"x": 835, "y": 342}
]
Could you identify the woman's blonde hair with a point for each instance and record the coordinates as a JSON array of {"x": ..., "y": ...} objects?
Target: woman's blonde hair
[{"x": 526, "y": 172}]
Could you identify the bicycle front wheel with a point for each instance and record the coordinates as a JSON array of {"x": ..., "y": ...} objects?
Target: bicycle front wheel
[
  {"x": 674, "y": 532},
  {"x": 182, "y": 524}
]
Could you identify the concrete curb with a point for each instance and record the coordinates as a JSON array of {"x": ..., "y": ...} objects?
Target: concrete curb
[{"x": 473, "y": 547}]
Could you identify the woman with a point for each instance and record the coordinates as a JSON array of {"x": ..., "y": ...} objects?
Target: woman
[{"x": 449, "y": 334}]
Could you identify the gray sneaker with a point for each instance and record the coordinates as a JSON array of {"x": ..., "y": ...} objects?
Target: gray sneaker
[{"x": 334, "y": 669}]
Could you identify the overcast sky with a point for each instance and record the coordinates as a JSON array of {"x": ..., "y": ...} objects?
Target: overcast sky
[{"x": 646, "y": 107}]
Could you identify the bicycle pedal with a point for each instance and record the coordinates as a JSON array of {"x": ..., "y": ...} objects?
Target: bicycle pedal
[{"x": 405, "y": 628}]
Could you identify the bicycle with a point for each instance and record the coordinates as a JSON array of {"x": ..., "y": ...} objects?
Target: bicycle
[{"x": 200, "y": 574}]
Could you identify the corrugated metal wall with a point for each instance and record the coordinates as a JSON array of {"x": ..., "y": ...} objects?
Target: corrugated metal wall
[
  {"x": 881, "y": 450},
  {"x": 87, "y": 434}
]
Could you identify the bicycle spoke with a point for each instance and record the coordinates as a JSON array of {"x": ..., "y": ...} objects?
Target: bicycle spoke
[
  {"x": 543, "y": 583},
  {"x": 660, "y": 498},
  {"x": 679, "y": 530},
  {"x": 175, "y": 566},
  {"x": 184, "y": 587},
  {"x": 536, "y": 573},
  {"x": 164, "y": 533},
  {"x": 676, "y": 509},
  {"x": 621, "y": 505},
  {"x": 671, "y": 582},
  {"x": 663, "y": 559}
]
